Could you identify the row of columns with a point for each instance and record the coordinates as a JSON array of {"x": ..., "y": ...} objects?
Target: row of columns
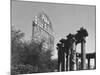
[
  {"x": 89, "y": 65},
  {"x": 67, "y": 51},
  {"x": 89, "y": 56}
]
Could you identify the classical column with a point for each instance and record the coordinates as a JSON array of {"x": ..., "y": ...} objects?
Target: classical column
[
  {"x": 95, "y": 62},
  {"x": 63, "y": 62},
  {"x": 83, "y": 58},
  {"x": 69, "y": 62},
  {"x": 77, "y": 65},
  {"x": 88, "y": 63},
  {"x": 62, "y": 58},
  {"x": 66, "y": 62},
  {"x": 59, "y": 56},
  {"x": 74, "y": 55}
]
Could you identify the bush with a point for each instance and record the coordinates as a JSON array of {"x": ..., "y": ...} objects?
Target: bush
[{"x": 23, "y": 69}]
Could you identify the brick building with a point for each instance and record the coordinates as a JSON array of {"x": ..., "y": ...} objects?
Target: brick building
[{"x": 43, "y": 31}]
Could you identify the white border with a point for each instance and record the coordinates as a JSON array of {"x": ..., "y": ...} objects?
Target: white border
[
  {"x": 5, "y": 35},
  {"x": 85, "y": 2}
]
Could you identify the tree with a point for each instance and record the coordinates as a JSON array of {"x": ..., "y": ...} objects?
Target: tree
[
  {"x": 16, "y": 45},
  {"x": 29, "y": 57}
]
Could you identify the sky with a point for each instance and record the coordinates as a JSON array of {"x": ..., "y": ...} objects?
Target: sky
[{"x": 65, "y": 19}]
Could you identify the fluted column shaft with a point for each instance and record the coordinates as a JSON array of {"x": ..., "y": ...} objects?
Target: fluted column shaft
[{"x": 83, "y": 58}]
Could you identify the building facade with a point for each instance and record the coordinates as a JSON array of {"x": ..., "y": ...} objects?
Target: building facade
[{"x": 43, "y": 31}]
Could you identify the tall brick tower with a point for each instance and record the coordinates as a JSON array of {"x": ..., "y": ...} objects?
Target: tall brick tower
[{"x": 43, "y": 31}]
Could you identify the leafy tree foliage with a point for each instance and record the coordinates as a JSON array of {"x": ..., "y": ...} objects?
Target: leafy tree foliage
[{"x": 29, "y": 57}]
